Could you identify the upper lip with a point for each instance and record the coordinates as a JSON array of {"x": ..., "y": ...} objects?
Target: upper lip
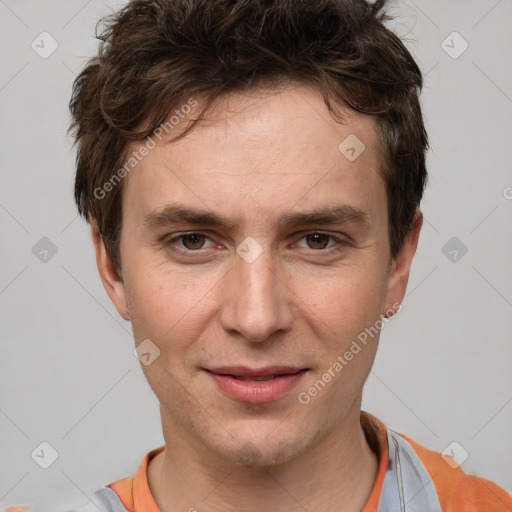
[{"x": 251, "y": 373}]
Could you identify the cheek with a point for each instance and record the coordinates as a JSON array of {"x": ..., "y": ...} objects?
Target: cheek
[
  {"x": 345, "y": 312},
  {"x": 346, "y": 301},
  {"x": 168, "y": 306}
]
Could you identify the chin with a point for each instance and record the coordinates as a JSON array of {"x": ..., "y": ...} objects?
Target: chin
[
  {"x": 256, "y": 456},
  {"x": 263, "y": 450}
]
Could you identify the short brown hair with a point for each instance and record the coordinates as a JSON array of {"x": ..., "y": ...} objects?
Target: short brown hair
[{"x": 154, "y": 54}]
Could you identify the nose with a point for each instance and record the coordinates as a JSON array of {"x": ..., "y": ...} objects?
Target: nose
[{"x": 256, "y": 300}]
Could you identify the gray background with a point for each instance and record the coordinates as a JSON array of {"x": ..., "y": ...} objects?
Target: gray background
[{"x": 68, "y": 374}]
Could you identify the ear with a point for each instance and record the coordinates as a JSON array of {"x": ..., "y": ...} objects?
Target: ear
[
  {"x": 401, "y": 265},
  {"x": 111, "y": 280}
]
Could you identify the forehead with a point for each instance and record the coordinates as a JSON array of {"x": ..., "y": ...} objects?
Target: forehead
[{"x": 265, "y": 151}]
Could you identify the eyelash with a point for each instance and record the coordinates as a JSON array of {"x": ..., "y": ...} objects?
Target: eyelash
[{"x": 340, "y": 243}]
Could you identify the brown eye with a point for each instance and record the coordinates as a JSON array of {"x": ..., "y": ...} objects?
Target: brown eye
[
  {"x": 317, "y": 240},
  {"x": 193, "y": 241}
]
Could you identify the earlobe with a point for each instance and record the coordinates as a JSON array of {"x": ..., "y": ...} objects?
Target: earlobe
[
  {"x": 401, "y": 264},
  {"x": 112, "y": 281}
]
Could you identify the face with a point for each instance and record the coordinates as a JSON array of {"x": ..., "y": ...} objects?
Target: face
[{"x": 253, "y": 248}]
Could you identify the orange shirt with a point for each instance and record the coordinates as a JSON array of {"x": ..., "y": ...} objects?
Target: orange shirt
[{"x": 456, "y": 491}]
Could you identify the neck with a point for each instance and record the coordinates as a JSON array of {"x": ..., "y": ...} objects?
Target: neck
[{"x": 339, "y": 471}]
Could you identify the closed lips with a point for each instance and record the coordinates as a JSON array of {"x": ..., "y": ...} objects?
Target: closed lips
[
  {"x": 256, "y": 375},
  {"x": 256, "y": 386}
]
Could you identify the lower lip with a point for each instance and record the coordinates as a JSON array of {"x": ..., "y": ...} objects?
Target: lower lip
[{"x": 257, "y": 391}]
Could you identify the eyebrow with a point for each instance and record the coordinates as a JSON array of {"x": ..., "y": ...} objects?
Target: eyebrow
[{"x": 177, "y": 213}]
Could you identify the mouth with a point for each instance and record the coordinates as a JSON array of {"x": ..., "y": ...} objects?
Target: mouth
[
  {"x": 248, "y": 385},
  {"x": 268, "y": 377}
]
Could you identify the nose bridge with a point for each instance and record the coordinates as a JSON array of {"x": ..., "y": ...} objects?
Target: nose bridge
[{"x": 256, "y": 305}]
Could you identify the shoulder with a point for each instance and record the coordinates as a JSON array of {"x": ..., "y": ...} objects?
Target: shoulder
[
  {"x": 458, "y": 491},
  {"x": 106, "y": 500},
  {"x": 128, "y": 494}
]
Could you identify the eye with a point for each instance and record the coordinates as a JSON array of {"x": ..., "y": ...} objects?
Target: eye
[
  {"x": 193, "y": 241},
  {"x": 319, "y": 241},
  {"x": 190, "y": 242}
]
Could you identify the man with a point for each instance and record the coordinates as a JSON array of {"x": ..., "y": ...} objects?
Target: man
[{"x": 252, "y": 172}]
